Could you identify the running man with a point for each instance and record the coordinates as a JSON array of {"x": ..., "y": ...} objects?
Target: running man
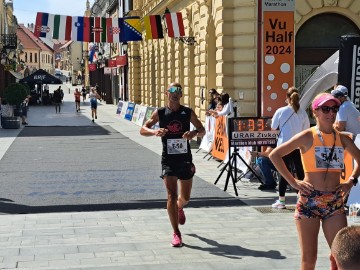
[
  {"x": 174, "y": 121},
  {"x": 77, "y": 95}
]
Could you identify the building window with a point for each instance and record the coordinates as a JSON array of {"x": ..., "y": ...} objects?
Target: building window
[
  {"x": 30, "y": 57},
  {"x": 35, "y": 57}
]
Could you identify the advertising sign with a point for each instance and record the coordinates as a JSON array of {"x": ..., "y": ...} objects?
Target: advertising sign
[
  {"x": 221, "y": 144},
  {"x": 278, "y": 55},
  {"x": 129, "y": 111}
]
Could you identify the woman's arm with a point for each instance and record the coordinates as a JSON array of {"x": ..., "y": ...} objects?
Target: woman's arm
[{"x": 303, "y": 141}]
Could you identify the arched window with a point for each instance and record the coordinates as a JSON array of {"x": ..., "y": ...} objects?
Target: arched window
[{"x": 320, "y": 36}]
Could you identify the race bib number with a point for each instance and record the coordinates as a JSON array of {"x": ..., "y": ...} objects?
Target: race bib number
[
  {"x": 176, "y": 146},
  {"x": 336, "y": 161}
]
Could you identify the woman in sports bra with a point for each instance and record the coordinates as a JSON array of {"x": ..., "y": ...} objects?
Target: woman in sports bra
[{"x": 320, "y": 197}]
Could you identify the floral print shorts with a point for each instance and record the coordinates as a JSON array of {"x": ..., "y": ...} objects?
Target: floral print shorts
[{"x": 319, "y": 204}]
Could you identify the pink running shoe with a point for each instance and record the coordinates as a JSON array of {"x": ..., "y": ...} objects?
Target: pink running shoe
[
  {"x": 181, "y": 216},
  {"x": 177, "y": 241}
]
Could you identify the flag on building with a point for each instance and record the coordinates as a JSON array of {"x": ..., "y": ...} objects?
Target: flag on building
[
  {"x": 111, "y": 63},
  {"x": 44, "y": 25},
  {"x": 131, "y": 29},
  {"x": 62, "y": 27},
  {"x": 153, "y": 27},
  {"x": 175, "y": 24},
  {"x": 92, "y": 55},
  {"x": 92, "y": 67},
  {"x": 113, "y": 26}
]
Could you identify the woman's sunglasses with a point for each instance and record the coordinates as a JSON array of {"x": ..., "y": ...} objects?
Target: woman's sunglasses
[
  {"x": 327, "y": 109},
  {"x": 175, "y": 89}
]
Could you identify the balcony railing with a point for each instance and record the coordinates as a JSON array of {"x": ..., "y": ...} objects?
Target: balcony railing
[{"x": 8, "y": 41}]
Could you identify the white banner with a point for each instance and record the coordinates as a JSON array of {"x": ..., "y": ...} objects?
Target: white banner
[{"x": 208, "y": 139}]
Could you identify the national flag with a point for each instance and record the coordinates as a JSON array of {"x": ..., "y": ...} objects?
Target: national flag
[
  {"x": 97, "y": 29},
  {"x": 111, "y": 63},
  {"x": 92, "y": 54},
  {"x": 113, "y": 26},
  {"x": 77, "y": 28},
  {"x": 131, "y": 29},
  {"x": 44, "y": 25},
  {"x": 62, "y": 27},
  {"x": 92, "y": 67},
  {"x": 153, "y": 27},
  {"x": 175, "y": 24}
]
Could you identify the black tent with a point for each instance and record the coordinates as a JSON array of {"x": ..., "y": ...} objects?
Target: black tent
[{"x": 41, "y": 77}]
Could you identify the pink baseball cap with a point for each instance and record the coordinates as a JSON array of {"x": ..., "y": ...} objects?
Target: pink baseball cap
[{"x": 320, "y": 100}]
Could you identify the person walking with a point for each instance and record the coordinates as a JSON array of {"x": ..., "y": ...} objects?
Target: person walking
[
  {"x": 174, "y": 121},
  {"x": 320, "y": 196},
  {"x": 83, "y": 92},
  {"x": 57, "y": 99},
  {"x": 93, "y": 95},
  {"x": 348, "y": 117},
  {"x": 289, "y": 120},
  {"x": 77, "y": 95}
]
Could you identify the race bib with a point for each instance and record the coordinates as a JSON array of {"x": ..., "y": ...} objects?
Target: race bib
[
  {"x": 336, "y": 161},
  {"x": 176, "y": 146}
]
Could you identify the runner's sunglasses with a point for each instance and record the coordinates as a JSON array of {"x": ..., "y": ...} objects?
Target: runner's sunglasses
[
  {"x": 175, "y": 89},
  {"x": 327, "y": 109}
]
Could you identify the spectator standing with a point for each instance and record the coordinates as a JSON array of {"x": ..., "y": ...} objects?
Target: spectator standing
[
  {"x": 174, "y": 121},
  {"x": 320, "y": 197},
  {"x": 348, "y": 117},
  {"x": 93, "y": 95},
  {"x": 77, "y": 95},
  {"x": 213, "y": 98},
  {"x": 57, "y": 99},
  {"x": 24, "y": 109},
  {"x": 289, "y": 120},
  {"x": 227, "y": 109},
  {"x": 345, "y": 249}
]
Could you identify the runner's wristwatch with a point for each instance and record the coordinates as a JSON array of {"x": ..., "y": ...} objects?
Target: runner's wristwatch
[{"x": 354, "y": 180}]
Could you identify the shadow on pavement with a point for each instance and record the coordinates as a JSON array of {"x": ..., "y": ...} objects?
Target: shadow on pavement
[
  {"x": 233, "y": 251},
  {"x": 9, "y": 207}
]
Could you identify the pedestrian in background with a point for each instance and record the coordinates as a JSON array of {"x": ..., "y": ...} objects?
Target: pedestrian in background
[
  {"x": 83, "y": 92},
  {"x": 175, "y": 133},
  {"x": 57, "y": 100},
  {"x": 24, "y": 110},
  {"x": 227, "y": 107},
  {"x": 266, "y": 167},
  {"x": 77, "y": 95},
  {"x": 93, "y": 95},
  {"x": 320, "y": 197},
  {"x": 289, "y": 120},
  {"x": 348, "y": 117}
]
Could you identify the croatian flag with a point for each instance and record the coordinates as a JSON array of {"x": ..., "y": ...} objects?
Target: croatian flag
[
  {"x": 44, "y": 25},
  {"x": 113, "y": 26},
  {"x": 175, "y": 24}
]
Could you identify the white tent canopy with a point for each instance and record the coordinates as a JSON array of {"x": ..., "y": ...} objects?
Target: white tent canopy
[{"x": 325, "y": 77}]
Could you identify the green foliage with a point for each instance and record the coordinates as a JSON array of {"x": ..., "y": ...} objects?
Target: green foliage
[{"x": 16, "y": 93}]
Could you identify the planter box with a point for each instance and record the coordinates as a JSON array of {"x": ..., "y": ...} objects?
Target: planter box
[{"x": 10, "y": 122}]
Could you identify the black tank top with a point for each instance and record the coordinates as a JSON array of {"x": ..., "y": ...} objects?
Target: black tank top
[{"x": 175, "y": 148}]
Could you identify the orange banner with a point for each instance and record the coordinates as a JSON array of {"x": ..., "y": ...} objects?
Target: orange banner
[
  {"x": 221, "y": 143},
  {"x": 278, "y": 59}
]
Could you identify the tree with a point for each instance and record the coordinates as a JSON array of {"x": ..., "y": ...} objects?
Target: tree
[{"x": 16, "y": 93}]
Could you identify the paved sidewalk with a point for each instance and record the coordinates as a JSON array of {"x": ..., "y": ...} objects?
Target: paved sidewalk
[{"x": 240, "y": 237}]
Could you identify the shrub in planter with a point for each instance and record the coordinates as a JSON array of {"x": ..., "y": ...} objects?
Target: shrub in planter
[{"x": 16, "y": 93}]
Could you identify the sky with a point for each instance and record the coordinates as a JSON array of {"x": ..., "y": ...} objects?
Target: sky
[{"x": 25, "y": 10}]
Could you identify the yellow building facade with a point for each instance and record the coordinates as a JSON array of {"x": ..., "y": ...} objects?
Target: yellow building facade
[{"x": 225, "y": 55}]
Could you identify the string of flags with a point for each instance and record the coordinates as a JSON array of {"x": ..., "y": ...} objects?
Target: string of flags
[{"x": 110, "y": 30}]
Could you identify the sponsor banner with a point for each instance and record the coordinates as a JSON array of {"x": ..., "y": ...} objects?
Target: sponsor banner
[
  {"x": 148, "y": 114},
  {"x": 119, "y": 107},
  {"x": 141, "y": 116},
  {"x": 136, "y": 113},
  {"x": 349, "y": 66},
  {"x": 354, "y": 196},
  {"x": 278, "y": 61},
  {"x": 129, "y": 111},
  {"x": 221, "y": 143},
  {"x": 123, "y": 109},
  {"x": 208, "y": 139}
]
